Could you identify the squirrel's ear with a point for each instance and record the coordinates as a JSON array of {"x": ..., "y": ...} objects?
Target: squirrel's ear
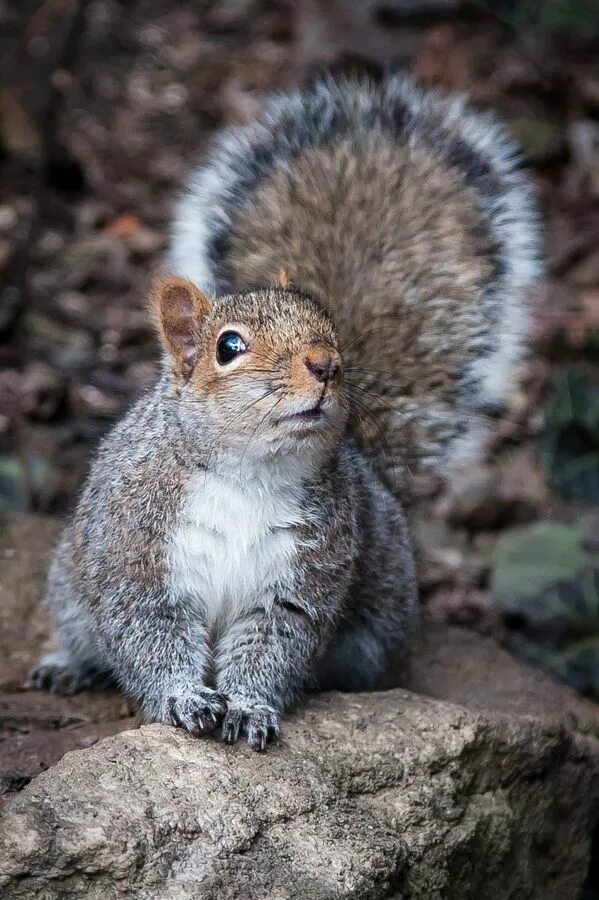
[{"x": 178, "y": 307}]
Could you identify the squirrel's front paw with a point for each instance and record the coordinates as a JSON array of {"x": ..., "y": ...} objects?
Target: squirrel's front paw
[
  {"x": 257, "y": 722},
  {"x": 198, "y": 712}
]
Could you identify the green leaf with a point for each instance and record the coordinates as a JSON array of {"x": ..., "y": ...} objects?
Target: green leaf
[
  {"x": 546, "y": 583},
  {"x": 529, "y": 561}
]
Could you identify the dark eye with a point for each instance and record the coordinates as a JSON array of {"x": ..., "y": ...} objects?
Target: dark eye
[{"x": 230, "y": 344}]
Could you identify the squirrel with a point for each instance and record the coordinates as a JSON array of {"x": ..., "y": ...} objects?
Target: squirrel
[{"x": 361, "y": 254}]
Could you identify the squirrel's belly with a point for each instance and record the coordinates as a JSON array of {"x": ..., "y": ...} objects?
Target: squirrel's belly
[{"x": 226, "y": 561}]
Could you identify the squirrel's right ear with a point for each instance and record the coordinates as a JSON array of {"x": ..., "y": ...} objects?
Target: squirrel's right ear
[{"x": 178, "y": 307}]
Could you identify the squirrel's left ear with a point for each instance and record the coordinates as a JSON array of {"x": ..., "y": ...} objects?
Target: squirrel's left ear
[{"x": 178, "y": 307}]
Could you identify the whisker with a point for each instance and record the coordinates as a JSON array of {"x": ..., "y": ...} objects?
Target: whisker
[
  {"x": 390, "y": 478},
  {"x": 267, "y": 413},
  {"x": 233, "y": 418},
  {"x": 381, "y": 430},
  {"x": 379, "y": 399},
  {"x": 364, "y": 334},
  {"x": 375, "y": 373},
  {"x": 201, "y": 400}
]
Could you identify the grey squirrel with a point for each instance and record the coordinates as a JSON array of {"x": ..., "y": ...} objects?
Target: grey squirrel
[{"x": 238, "y": 541}]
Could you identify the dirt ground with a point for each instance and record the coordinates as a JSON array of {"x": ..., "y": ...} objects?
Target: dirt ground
[{"x": 104, "y": 107}]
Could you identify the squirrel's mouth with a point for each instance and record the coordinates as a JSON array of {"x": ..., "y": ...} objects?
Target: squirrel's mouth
[{"x": 311, "y": 416}]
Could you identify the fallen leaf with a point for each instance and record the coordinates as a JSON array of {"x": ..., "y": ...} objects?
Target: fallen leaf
[
  {"x": 123, "y": 226},
  {"x": 19, "y": 134}
]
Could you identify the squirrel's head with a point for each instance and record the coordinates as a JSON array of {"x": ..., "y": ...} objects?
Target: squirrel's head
[{"x": 260, "y": 371}]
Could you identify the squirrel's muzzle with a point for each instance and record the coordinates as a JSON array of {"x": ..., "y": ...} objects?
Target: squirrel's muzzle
[{"x": 323, "y": 365}]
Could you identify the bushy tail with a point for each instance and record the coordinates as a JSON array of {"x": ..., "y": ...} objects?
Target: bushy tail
[{"x": 406, "y": 215}]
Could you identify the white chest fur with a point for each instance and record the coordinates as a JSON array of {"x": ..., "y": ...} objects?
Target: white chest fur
[{"x": 234, "y": 542}]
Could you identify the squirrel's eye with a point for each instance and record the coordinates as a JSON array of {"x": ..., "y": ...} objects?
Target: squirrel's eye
[{"x": 230, "y": 344}]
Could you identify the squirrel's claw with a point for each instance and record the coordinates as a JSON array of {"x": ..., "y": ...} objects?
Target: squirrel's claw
[
  {"x": 259, "y": 724},
  {"x": 232, "y": 725},
  {"x": 197, "y": 713},
  {"x": 61, "y": 674}
]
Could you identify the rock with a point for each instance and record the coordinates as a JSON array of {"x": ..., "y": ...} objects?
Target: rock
[
  {"x": 451, "y": 562},
  {"x": 473, "y": 497},
  {"x": 378, "y": 795},
  {"x": 473, "y": 671},
  {"x": 468, "y": 608},
  {"x": 42, "y": 391},
  {"x": 66, "y": 347},
  {"x": 485, "y": 788},
  {"x": 546, "y": 584},
  {"x": 88, "y": 400},
  {"x": 441, "y": 550},
  {"x": 25, "y": 481},
  {"x": 532, "y": 561},
  {"x": 480, "y": 497}
]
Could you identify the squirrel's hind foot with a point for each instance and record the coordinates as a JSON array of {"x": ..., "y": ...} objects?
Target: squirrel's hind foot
[
  {"x": 61, "y": 674},
  {"x": 259, "y": 724}
]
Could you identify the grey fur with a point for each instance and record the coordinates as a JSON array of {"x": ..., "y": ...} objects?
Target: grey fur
[{"x": 348, "y": 596}]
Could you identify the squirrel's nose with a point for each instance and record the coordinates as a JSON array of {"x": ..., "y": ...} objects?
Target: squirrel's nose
[{"x": 324, "y": 366}]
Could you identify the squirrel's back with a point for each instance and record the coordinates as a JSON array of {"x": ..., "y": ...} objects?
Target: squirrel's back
[{"x": 406, "y": 215}]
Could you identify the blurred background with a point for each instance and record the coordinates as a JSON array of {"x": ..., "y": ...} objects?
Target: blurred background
[{"x": 104, "y": 107}]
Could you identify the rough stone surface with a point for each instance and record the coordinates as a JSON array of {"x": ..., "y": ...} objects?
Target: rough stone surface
[
  {"x": 387, "y": 795},
  {"x": 486, "y": 788}
]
